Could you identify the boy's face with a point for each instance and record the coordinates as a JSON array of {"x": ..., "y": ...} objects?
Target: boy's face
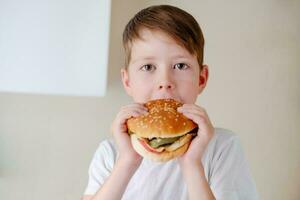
[{"x": 160, "y": 68}]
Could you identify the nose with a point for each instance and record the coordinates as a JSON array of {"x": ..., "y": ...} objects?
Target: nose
[
  {"x": 165, "y": 86},
  {"x": 165, "y": 82}
]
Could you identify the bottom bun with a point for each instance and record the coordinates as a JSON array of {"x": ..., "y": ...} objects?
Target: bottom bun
[{"x": 158, "y": 157}]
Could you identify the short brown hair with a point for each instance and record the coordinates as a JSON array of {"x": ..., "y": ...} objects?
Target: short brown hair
[{"x": 173, "y": 21}]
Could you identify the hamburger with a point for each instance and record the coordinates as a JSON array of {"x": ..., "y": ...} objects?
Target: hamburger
[{"x": 163, "y": 133}]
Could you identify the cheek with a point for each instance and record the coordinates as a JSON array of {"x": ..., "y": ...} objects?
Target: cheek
[
  {"x": 188, "y": 93},
  {"x": 188, "y": 79},
  {"x": 141, "y": 85},
  {"x": 188, "y": 85},
  {"x": 141, "y": 92}
]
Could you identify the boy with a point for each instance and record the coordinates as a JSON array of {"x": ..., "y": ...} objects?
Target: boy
[{"x": 164, "y": 59}]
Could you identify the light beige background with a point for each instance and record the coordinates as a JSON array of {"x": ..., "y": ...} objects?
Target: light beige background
[{"x": 252, "y": 48}]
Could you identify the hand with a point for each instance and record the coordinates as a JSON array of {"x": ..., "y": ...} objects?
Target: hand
[
  {"x": 205, "y": 132},
  {"x": 121, "y": 136}
]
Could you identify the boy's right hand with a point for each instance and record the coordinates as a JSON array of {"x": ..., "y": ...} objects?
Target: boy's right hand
[{"x": 120, "y": 133}]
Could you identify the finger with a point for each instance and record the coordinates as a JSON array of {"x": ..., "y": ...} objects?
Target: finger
[
  {"x": 193, "y": 111},
  {"x": 193, "y": 106},
  {"x": 123, "y": 116},
  {"x": 198, "y": 119},
  {"x": 204, "y": 123},
  {"x": 133, "y": 106},
  {"x": 120, "y": 121}
]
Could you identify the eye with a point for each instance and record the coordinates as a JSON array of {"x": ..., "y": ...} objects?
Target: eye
[
  {"x": 180, "y": 66},
  {"x": 147, "y": 67}
]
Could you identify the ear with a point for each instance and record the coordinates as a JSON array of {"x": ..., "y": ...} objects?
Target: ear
[
  {"x": 203, "y": 77},
  {"x": 125, "y": 81}
]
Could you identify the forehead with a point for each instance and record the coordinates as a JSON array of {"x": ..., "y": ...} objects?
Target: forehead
[{"x": 156, "y": 42}]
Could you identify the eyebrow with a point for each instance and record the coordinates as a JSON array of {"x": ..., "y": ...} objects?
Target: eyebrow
[
  {"x": 152, "y": 57},
  {"x": 143, "y": 58},
  {"x": 180, "y": 56}
]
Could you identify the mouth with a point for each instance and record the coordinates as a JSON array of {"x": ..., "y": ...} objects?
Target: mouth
[{"x": 167, "y": 97}]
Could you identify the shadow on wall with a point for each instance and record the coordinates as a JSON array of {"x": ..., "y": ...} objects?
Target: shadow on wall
[{"x": 121, "y": 12}]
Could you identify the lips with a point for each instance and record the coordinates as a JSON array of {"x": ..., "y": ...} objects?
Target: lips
[{"x": 167, "y": 97}]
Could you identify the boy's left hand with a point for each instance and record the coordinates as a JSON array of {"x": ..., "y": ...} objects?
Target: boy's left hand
[{"x": 205, "y": 132}]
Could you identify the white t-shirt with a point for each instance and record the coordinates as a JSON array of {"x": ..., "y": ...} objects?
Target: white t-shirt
[{"x": 225, "y": 167}]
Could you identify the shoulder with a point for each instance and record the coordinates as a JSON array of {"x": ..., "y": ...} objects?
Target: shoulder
[
  {"x": 224, "y": 142},
  {"x": 106, "y": 151},
  {"x": 225, "y": 136},
  {"x": 107, "y": 144},
  {"x": 228, "y": 170}
]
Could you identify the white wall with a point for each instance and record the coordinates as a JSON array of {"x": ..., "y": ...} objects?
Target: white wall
[
  {"x": 252, "y": 48},
  {"x": 54, "y": 47}
]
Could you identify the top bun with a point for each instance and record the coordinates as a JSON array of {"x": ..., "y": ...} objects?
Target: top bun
[{"x": 162, "y": 120}]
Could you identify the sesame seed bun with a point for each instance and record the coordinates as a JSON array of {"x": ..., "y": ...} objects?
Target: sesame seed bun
[{"x": 162, "y": 121}]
